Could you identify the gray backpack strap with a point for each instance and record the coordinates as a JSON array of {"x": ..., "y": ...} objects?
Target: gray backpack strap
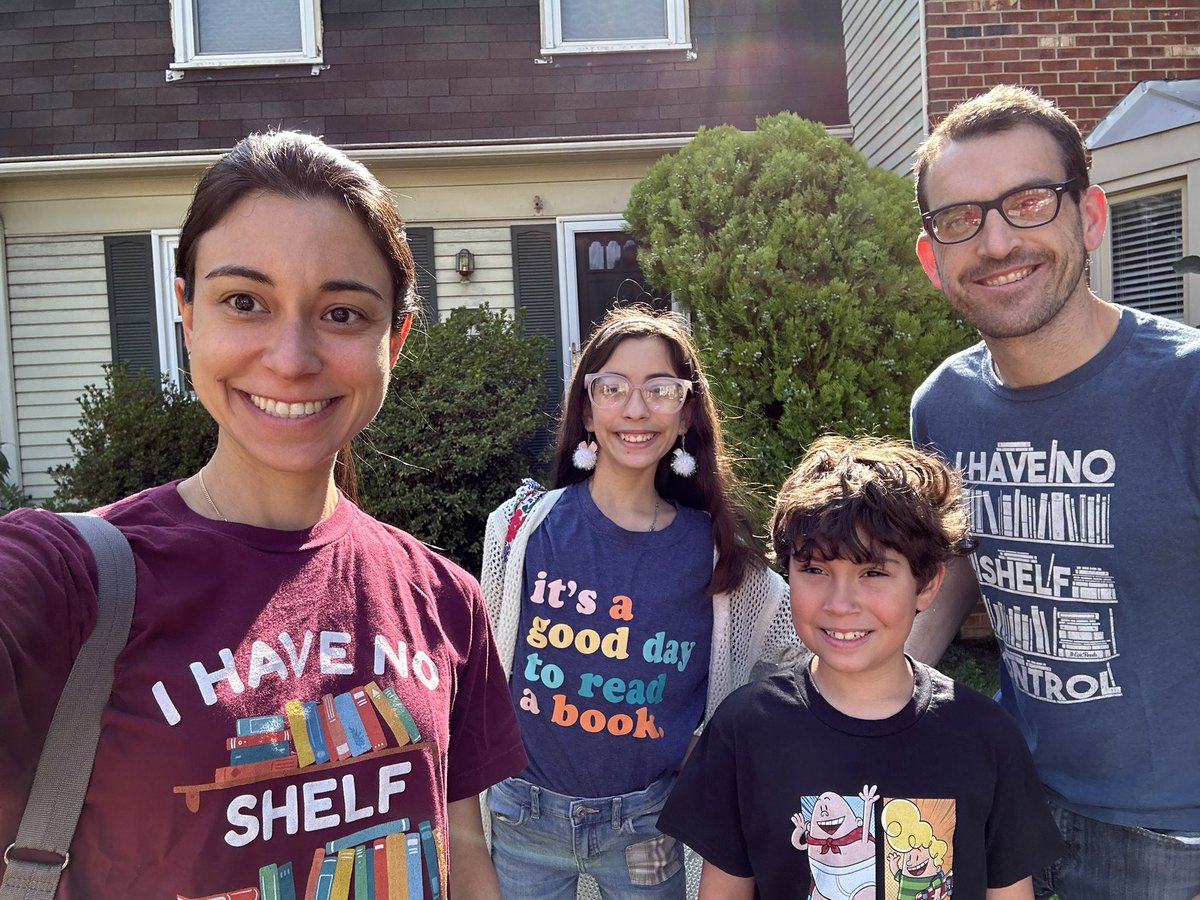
[{"x": 65, "y": 766}]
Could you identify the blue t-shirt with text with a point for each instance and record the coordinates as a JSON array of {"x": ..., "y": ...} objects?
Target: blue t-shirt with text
[{"x": 610, "y": 675}]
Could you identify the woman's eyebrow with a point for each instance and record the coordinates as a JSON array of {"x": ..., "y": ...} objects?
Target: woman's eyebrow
[
  {"x": 351, "y": 284},
  {"x": 236, "y": 271},
  {"x": 335, "y": 285}
]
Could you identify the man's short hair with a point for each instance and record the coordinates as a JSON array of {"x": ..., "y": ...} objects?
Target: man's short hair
[
  {"x": 1004, "y": 108},
  {"x": 854, "y": 498}
]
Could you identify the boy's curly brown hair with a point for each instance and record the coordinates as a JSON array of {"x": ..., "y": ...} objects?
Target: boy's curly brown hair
[{"x": 850, "y": 498}]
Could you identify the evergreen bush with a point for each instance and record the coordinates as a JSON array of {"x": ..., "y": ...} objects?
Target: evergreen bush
[
  {"x": 796, "y": 261},
  {"x": 451, "y": 441},
  {"x": 133, "y": 433},
  {"x": 11, "y": 497}
]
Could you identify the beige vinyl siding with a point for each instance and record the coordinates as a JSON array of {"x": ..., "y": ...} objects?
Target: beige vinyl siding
[
  {"x": 58, "y": 315},
  {"x": 491, "y": 282},
  {"x": 884, "y": 70}
]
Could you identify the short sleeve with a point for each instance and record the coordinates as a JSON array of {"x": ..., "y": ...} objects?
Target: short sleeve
[
  {"x": 703, "y": 810},
  {"x": 917, "y": 424},
  {"x": 1021, "y": 836},
  {"x": 485, "y": 740}
]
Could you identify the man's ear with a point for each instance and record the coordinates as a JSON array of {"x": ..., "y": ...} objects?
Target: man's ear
[
  {"x": 926, "y": 595},
  {"x": 1093, "y": 213},
  {"x": 925, "y": 253}
]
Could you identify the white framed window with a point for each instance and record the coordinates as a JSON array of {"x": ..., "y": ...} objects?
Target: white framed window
[
  {"x": 172, "y": 355},
  {"x": 586, "y": 26},
  {"x": 227, "y": 33},
  {"x": 1146, "y": 236}
]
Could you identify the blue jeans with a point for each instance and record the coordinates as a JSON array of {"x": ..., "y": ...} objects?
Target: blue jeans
[
  {"x": 1115, "y": 862},
  {"x": 543, "y": 841}
]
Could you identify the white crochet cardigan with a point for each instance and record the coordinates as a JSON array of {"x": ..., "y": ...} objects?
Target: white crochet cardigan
[{"x": 751, "y": 625}]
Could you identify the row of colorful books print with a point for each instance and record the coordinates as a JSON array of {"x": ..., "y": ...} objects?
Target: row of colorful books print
[
  {"x": 310, "y": 732},
  {"x": 385, "y": 862}
]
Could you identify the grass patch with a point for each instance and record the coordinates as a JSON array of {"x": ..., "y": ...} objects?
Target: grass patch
[{"x": 975, "y": 663}]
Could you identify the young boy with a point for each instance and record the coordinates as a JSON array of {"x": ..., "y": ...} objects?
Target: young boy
[{"x": 861, "y": 773}]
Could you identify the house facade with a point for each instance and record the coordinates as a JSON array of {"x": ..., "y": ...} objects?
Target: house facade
[
  {"x": 909, "y": 62},
  {"x": 512, "y": 129}
]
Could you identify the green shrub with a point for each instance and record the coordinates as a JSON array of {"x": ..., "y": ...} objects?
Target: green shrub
[
  {"x": 132, "y": 434},
  {"x": 11, "y": 497},
  {"x": 974, "y": 662},
  {"x": 796, "y": 260},
  {"x": 451, "y": 440}
]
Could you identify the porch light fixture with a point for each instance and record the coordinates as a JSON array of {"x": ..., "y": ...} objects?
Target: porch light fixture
[{"x": 464, "y": 263}]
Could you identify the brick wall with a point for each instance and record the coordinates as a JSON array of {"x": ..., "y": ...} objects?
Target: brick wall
[
  {"x": 1085, "y": 55},
  {"x": 977, "y": 624},
  {"x": 88, "y": 77}
]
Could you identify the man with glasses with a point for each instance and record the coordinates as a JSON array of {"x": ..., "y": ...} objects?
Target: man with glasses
[{"x": 1076, "y": 424}]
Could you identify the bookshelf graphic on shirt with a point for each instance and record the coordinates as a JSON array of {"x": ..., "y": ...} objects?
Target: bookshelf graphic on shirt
[
  {"x": 308, "y": 733},
  {"x": 387, "y": 861},
  {"x": 396, "y": 859},
  {"x": 379, "y": 863},
  {"x": 1056, "y": 495},
  {"x": 1058, "y": 516},
  {"x": 1055, "y": 633}
]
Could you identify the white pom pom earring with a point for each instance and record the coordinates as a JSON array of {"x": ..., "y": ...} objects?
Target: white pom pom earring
[
  {"x": 584, "y": 457},
  {"x": 683, "y": 463}
]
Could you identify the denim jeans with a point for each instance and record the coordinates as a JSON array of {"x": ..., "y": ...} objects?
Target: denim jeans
[
  {"x": 1115, "y": 862},
  {"x": 543, "y": 841}
]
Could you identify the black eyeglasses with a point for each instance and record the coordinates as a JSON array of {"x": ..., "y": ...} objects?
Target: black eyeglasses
[{"x": 1026, "y": 207}]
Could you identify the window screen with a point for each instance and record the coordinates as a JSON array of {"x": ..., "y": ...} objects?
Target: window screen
[
  {"x": 238, "y": 26},
  {"x": 1147, "y": 236}
]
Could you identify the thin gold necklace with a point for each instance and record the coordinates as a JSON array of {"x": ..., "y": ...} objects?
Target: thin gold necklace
[
  {"x": 588, "y": 484},
  {"x": 208, "y": 497}
]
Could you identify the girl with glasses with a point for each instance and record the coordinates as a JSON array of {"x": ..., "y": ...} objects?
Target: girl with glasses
[{"x": 628, "y": 602}]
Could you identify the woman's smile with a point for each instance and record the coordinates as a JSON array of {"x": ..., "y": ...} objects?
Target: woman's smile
[{"x": 283, "y": 409}]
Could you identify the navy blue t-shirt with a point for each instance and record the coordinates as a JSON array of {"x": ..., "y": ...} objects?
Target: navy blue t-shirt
[
  {"x": 610, "y": 675},
  {"x": 1085, "y": 500}
]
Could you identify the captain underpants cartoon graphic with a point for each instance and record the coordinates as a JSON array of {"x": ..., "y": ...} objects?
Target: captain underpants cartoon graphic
[{"x": 838, "y": 835}]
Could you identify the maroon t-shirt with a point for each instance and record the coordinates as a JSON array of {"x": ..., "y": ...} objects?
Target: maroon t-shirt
[{"x": 291, "y": 707}]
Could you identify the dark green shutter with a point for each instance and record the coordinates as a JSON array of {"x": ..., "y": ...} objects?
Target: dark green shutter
[
  {"x": 420, "y": 242},
  {"x": 132, "y": 305},
  {"x": 535, "y": 288}
]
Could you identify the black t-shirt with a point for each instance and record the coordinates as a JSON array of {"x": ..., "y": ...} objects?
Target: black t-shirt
[{"x": 781, "y": 778}]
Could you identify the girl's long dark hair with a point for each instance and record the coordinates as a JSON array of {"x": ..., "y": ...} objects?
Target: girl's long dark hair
[{"x": 713, "y": 488}]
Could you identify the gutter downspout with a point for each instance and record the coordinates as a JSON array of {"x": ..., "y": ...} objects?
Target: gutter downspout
[
  {"x": 924, "y": 67},
  {"x": 9, "y": 438}
]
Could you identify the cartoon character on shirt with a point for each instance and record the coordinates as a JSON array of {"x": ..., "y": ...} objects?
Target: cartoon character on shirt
[
  {"x": 838, "y": 837},
  {"x": 917, "y": 855}
]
